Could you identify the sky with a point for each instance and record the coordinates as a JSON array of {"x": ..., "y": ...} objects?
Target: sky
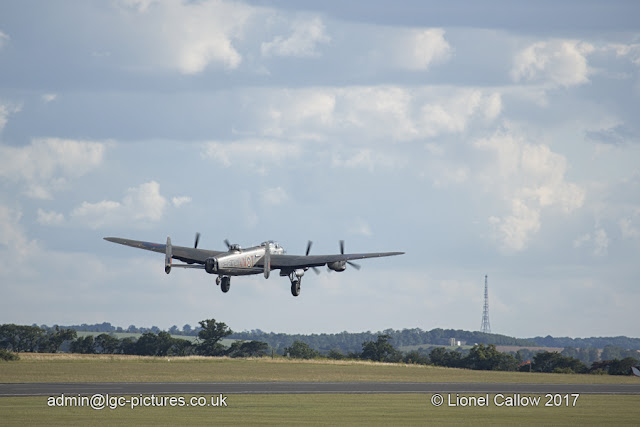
[{"x": 481, "y": 138}]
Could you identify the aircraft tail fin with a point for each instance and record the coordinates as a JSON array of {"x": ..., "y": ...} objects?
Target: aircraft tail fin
[{"x": 167, "y": 256}]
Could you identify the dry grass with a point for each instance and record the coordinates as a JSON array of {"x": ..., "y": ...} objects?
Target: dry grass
[{"x": 62, "y": 367}]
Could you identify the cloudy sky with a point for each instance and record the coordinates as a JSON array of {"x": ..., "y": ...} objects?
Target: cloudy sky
[{"x": 499, "y": 138}]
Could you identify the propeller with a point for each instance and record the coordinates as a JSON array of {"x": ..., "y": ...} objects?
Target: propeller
[
  {"x": 315, "y": 269},
  {"x": 226, "y": 242},
  {"x": 352, "y": 264},
  {"x": 195, "y": 244}
]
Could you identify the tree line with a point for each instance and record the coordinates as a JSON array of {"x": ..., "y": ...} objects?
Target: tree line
[
  {"x": 350, "y": 342},
  {"x": 33, "y": 339},
  {"x": 479, "y": 357},
  {"x": 18, "y": 338}
]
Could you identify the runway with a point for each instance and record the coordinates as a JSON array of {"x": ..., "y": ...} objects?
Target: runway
[{"x": 195, "y": 388}]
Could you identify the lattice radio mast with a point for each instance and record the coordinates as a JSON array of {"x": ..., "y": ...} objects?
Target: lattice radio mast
[{"x": 486, "y": 326}]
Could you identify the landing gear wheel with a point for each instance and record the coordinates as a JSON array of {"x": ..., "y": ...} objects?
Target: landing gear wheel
[
  {"x": 295, "y": 288},
  {"x": 225, "y": 285}
]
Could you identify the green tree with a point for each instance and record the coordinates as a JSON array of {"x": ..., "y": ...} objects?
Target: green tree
[
  {"x": 51, "y": 342},
  {"x": 7, "y": 355},
  {"x": 301, "y": 350},
  {"x": 210, "y": 335},
  {"x": 439, "y": 356},
  {"x": 83, "y": 345},
  {"x": 248, "y": 349},
  {"x": 380, "y": 350},
  {"x": 489, "y": 359},
  {"x": 127, "y": 346},
  {"x": 335, "y": 355},
  {"x": 555, "y": 362},
  {"x": 415, "y": 357},
  {"x": 106, "y": 344}
]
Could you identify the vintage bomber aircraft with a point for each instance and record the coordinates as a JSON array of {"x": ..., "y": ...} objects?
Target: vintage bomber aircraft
[{"x": 255, "y": 260}]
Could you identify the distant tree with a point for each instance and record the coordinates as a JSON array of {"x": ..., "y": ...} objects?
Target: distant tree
[
  {"x": 19, "y": 338},
  {"x": 186, "y": 329},
  {"x": 106, "y": 344},
  {"x": 127, "y": 346},
  {"x": 182, "y": 347},
  {"x": 335, "y": 355},
  {"x": 555, "y": 362},
  {"x": 52, "y": 341},
  {"x": 248, "y": 349},
  {"x": 439, "y": 356},
  {"x": 615, "y": 366},
  {"x": 489, "y": 359},
  {"x": 150, "y": 344},
  {"x": 415, "y": 357},
  {"x": 174, "y": 330},
  {"x": 132, "y": 329},
  {"x": 380, "y": 350},
  {"x": 8, "y": 356},
  {"x": 301, "y": 350},
  {"x": 83, "y": 345},
  {"x": 210, "y": 335}
]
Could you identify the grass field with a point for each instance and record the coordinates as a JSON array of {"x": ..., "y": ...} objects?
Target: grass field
[
  {"x": 370, "y": 409},
  {"x": 109, "y": 368},
  {"x": 408, "y": 409}
]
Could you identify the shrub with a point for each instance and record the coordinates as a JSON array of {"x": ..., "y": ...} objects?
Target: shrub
[{"x": 8, "y": 355}]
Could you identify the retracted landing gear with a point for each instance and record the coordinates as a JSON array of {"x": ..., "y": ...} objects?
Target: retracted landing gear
[{"x": 224, "y": 282}]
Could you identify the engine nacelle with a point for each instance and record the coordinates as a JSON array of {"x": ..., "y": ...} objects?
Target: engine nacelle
[
  {"x": 211, "y": 265},
  {"x": 338, "y": 265}
]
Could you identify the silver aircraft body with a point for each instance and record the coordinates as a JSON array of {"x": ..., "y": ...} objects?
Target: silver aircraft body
[{"x": 261, "y": 259}]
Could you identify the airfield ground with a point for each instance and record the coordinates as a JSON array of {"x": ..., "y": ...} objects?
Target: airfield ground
[{"x": 296, "y": 408}]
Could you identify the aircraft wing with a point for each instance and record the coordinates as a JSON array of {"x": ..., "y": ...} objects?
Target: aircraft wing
[
  {"x": 292, "y": 262},
  {"x": 182, "y": 253}
]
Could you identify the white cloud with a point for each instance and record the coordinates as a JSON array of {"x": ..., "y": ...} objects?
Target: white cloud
[
  {"x": 274, "y": 196},
  {"x": 138, "y": 5},
  {"x": 582, "y": 240},
  {"x": 419, "y": 49},
  {"x": 365, "y": 158},
  {"x": 630, "y": 226},
  {"x": 303, "y": 42},
  {"x": 12, "y": 234},
  {"x": 5, "y": 110},
  {"x": 559, "y": 62},
  {"x": 361, "y": 228},
  {"x": 179, "y": 201},
  {"x": 4, "y": 39},
  {"x": 49, "y": 97},
  {"x": 50, "y": 217},
  {"x": 378, "y": 113},
  {"x": 47, "y": 164},
  {"x": 515, "y": 230},
  {"x": 529, "y": 176},
  {"x": 631, "y": 51},
  {"x": 139, "y": 206},
  {"x": 257, "y": 155},
  {"x": 601, "y": 242},
  {"x": 188, "y": 36}
]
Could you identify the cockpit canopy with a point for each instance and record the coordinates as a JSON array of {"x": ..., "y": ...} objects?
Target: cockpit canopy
[
  {"x": 272, "y": 245},
  {"x": 234, "y": 247}
]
